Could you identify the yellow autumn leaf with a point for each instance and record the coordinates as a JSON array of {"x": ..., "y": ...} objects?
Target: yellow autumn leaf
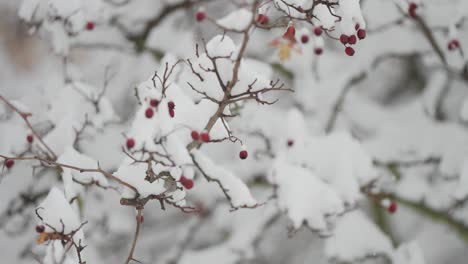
[
  {"x": 284, "y": 52},
  {"x": 43, "y": 237}
]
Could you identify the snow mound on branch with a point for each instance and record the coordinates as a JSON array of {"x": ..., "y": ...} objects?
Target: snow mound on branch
[
  {"x": 330, "y": 169},
  {"x": 63, "y": 135},
  {"x": 237, "y": 191},
  {"x": 238, "y": 20},
  {"x": 252, "y": 73},
  {"x": 56, "y": 253},
  {"x": 324, "y": 17},
  {"x": 59, "y": 37},
  {"x": 341, "y": 161},
  {"x": 62, "y": 19},
  {"x": 72, "y": 157},
  {"x": 409, "y": 253},
  {"x": 210, "y": 255},
  {"x": 221, "y": 46},
  {"x": 337, "y": 158},
  {"x": 305, "y": 4},
  {"x": 134, "y": 174},
  {"x": 356, "y": 237},
  {"x": 304, "y": 197},
  {"x": 55, "y": 210},
  {"x": 418, "y": 141},
  {"x": 350, "y": 11}
]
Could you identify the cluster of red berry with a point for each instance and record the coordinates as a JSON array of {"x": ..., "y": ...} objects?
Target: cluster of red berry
[
  {"x": 154, "y": 104},
  {"x": 349, "y": 40},
  {"x": 203, "y": 136}
]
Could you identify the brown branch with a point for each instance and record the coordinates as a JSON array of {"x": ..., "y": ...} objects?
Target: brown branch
[
  {"x": 25, "y": 116},
  {"x": 98, "y": 170},
  {"x": 135, "y": 238}
]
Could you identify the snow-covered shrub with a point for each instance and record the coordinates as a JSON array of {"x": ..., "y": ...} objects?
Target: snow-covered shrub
[{"x": 199, "y": 131}]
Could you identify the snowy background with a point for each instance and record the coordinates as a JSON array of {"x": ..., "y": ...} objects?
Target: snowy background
[{"x": 133, "y": 117}]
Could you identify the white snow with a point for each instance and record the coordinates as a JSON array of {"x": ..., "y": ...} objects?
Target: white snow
[
  {"x": 356, "y": 237},
  {"x": 237, "y": 190}
]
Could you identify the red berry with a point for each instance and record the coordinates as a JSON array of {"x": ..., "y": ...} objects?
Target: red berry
[
  {"x": 195, "y": 135},
  {"x": 357, "y": 26},
  {"x": 344, "y": 39},
  {"x": 171, "y": 105},
  {"x": 304, "y": 39},
  {"x": 349, "y": 51},
  {"x": 392, "y": 207},
  {"x": 262, "y": 19},
  {"x": 318, "y": 51},
  {"x": 187, "y": 183},
  {"x": 200, "y": 16},
  {"x": 171, "y": 112},
  {"x": 352, "y": 40},
  {"x": 205, "y": 137},
  {"x": 154, "y": 102},
  {"x": 30, "y": 138},
  {"x": 450, "y": 46},
  {"x": 149, "y": 113},
  {"x": 290, "y": 142},
  {"x": 40, "y": 228},
  {"x": 130, "y": 143},
  {"x": 361, "y": 33},
  {"x": 454, "y": 44},
  {"x": 412, "y": 9},
  {"x": 290, "y": 33},
  {"x": 140, "y": 218},
  {"x": 243, "y": 154},
  {"x": 90, "y": 25},
  {"x": 9, "y": 163},
  {"x": 318, "y": 31}
]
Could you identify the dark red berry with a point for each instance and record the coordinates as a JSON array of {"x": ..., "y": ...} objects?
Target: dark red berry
[
  {"x": 412, "y": 9},
  {"x": 318, "y": 51},
  {"x": 304, "y": 39},
  {"x": 171, "y": 105},
  {"x": 290, "y": 142},
  {"x": 30, "y": 138},
  {"x": 318, "y": 31},
  {"x": 361, "y": 33},
  {"x": 154, "y": 102},
  {"x": 171, "y": 112},
  {"x": 149, "y": 113},
  {"x": 130, "y": 143},
  {"x": 392, "y": 207},
  {"x": 243, "y": 154},
  {"x": 454, "y": 44},
  {"x": 262, "y": 19},
  {"x": 200, "y": 16},
  {"x": 90, "y": 25},
  {"x": 187, "y": 183},
  {"x": 344, "y": 39},
  {"x": 205, "y": 137},
  {"x": 9, "y": 163},
  {"x": 290, "y": 33},
  {"x": 357, "y": 26},
  {"x": 40, "y": 228},
  {"x": 195, "y": 135},
  {"x": 352, "y": 40},
  {"x": 349, "y": 51}
]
